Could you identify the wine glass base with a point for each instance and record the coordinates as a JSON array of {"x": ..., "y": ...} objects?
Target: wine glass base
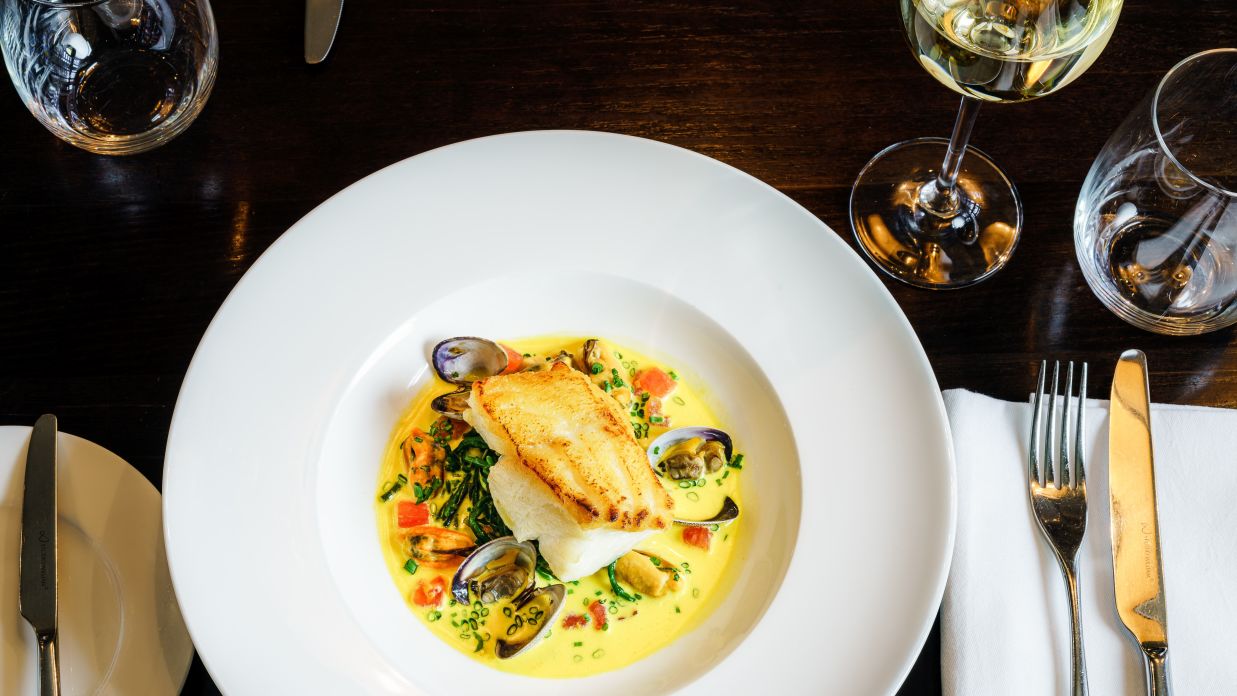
[{"x": 927, "y": 249}]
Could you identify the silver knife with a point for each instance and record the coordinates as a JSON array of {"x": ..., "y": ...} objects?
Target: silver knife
[
  {"x": 37, "y": 567},
  {"x": 1137, "y": 573},
  {"x": 321, "y": 21}
]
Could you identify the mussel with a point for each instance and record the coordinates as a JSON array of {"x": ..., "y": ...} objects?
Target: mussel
[
  {"x": 687, "y": 453},
  {"x": 465, "y": 359},
  {"x": 506, "y": 569},
  {"x": 452, "y": 404}
]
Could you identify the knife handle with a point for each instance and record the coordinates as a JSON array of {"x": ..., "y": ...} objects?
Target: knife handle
[
  {"x": 49, "y": 665},
  {"x": 1155, "y": 660}
]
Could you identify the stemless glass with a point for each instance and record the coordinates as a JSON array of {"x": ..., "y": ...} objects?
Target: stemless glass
[
  {"x": 111, "y": 76},
  {"x": 928, "y": 211},
  {"x": 1155, "y": 227}
]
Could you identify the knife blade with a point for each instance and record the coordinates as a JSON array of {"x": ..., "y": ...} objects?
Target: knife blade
[
  {"x": 321, "y": 21},
  {"x": 1137, "y": 573},
  {"x": 37, "y": 565}
]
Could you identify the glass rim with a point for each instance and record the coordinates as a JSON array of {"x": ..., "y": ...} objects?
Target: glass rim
[{"x": 1155, "y": 120}]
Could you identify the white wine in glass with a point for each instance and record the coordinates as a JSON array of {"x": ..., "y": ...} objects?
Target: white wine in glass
[{"x": 930, "y": 212}]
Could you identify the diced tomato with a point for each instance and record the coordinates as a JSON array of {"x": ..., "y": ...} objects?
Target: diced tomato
[
  {"x": 598, "y": 610},
  {"x": 515, "y": 360},
  {"x": 430, "y": 593},
  {"x": 699, "y": 537},
  {"x": 410, "y": 514},
  {"x": 575, "y": 620},
  {"x": 654, "y": 381}
]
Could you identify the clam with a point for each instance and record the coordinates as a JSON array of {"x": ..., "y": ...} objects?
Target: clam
[
  {"x": 496, "y": 570},
  {"x": 452, "y": 404},
  {"x": 728, "y": 513},
  {"x": 551, "y": 597},
  {"x": 687, "y": 453},
  {"x": 506, "y": 569},
  {"x": 465, "y": 359}
]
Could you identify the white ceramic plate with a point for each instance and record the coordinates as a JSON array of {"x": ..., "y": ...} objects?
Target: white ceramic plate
[
  {"x": 120, "y": 629},
  {"x": 275, "y": 444}
]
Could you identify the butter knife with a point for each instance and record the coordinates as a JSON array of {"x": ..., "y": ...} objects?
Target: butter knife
[
  {"x": 37, "y": 566},
  {"x": 1138, "y": 578},
  {"x": 321, "y": 21}
]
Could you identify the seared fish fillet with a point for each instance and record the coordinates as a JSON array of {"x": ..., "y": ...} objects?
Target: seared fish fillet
[
  {"x": 571, "y": 473},
  {"x": 578, "y": 441}
]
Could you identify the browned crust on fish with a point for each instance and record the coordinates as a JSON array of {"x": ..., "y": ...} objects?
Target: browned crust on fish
[{"x": 577, "y": 440}]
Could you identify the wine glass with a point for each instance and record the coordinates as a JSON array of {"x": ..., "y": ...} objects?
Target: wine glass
[
  {"x": 928, "y": 211},
  {"x": 111, "y": 76}
]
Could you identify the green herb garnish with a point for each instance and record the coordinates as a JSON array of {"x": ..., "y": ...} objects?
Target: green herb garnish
[{"x": 615, "y": 586}]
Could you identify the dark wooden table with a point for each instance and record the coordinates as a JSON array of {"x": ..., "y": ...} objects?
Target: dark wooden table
[{"x": 111, "y": 268}]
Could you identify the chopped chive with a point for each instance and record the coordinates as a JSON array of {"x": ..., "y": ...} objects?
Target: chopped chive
[
  {"x": 598, "y": 653},
  {"x": 577, "y": 658},
  {"x": 577, "y": 644},
  {"x": 528, "y": 355},
  {"x": 678, "y": 400},
  {"x": 455, "y": 374},
  {"x": 677, "y": 610},
  {"x": 696, "y": 592},
  {"x": 597, "y": 368},
  {"x": 736, "y": 463},
  {"x": 411, "y": 566},
  {"x": 693, "y": 496},
  {"x": 674, "y": 376},
  {"x": 655, "y": 419},
  {"x": 656, "y": 561},
  {"x": 597, "y": 593}
]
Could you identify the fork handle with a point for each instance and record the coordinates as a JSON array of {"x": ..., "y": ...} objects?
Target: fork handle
[
  {"x": 1155, "y": 659},
  {"x": 1078, "y": 665}
]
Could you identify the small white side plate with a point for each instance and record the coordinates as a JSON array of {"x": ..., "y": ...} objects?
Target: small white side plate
[{"x": 120, "y": 628}]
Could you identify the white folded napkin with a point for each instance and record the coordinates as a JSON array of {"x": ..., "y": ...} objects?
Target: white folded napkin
[{"x": 1005, "y": 616}]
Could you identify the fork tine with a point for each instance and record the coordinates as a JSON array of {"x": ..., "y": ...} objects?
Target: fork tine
[
  {"x": 1035, "y": 413},
  {"x": 1064, "y": 433},
  {"x": 1050, "y": 475},
  {"x": 1079, "y": 470}
]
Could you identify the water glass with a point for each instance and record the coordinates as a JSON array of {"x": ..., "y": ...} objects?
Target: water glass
[
  {"x": 1155, "y": 227},
  {"x": 111, "y": 76}
]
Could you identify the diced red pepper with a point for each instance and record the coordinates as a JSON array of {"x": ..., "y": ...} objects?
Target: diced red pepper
[
  {"x": 410, "y": 514},
  {"x": 430, "y": 594},
  {"x": 654, "y": 381},
  {"x": 699, "y": 537},
  {"x": 515, "y": 360},
  {"x": 575, "y": 620},
  {"x": 598, "y": 610}
]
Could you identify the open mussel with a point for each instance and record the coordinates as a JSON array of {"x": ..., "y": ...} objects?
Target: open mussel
[
  {"x": 465, "y": 359},
  {"x": 452, "y": 404},
  {"x": 506, "y": 569}
]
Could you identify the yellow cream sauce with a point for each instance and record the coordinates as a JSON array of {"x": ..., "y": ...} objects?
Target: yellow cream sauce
[{"x": 633, "y": 629}]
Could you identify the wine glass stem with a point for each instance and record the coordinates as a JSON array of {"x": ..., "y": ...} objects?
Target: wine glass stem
[{"x": 939, "y": 195}]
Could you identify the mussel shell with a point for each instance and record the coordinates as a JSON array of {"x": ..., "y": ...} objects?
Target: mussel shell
[
  {"x": 557, "y": 593},
  {"x": 466, "y": 359},
  {"x": 452, "y": 404},
  {"x": 478, "y": 561},
  {"x": 658, "y": 448}
]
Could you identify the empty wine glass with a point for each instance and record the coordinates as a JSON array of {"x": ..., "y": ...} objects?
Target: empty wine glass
[
  {"x": 111, "y": 76},
  {"x": 932, "y": 212}
]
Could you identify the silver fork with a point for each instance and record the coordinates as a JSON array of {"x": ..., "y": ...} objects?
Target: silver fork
[{"x": 1059, "y": 499}]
